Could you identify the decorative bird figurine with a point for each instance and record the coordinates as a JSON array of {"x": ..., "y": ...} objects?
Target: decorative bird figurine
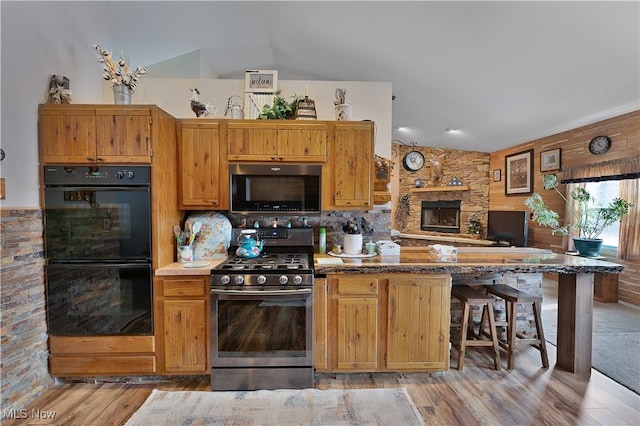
[{"x": 200, "y": 109}]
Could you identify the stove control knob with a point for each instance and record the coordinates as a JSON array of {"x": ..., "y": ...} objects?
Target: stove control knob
[
  {"x": 225, "y": 279},
  {"x": 239, "y": 279},
  {"x": 297, "y": 280},
  {"x": 261, "y": 279},
  {"x": 283, "y": 279}
]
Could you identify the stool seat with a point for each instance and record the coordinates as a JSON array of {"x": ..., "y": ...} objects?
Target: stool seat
[
  {"x": 512, "y": 297},
  {"x": 470, "y": 296}
]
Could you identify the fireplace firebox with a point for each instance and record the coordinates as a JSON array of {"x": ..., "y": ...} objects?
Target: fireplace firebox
[{"x": 440, "y": 216}]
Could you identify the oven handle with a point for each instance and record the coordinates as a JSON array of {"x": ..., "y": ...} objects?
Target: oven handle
[{"x": 262, "y": 292}]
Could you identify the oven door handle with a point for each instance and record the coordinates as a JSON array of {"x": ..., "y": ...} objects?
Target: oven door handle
[{"x": 262, "y": 292}]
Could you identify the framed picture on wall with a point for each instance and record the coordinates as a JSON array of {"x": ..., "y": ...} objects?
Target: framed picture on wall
[
  {"x": 261, "y": 81},
  {"x": 519, "y": 173},
  {"x": 497, "y": 175},
  {"x": 550, "y": 160}
]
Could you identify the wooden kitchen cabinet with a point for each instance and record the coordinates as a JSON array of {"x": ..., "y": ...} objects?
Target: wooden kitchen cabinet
[
  {"x": 349, "y": 173},
  {"x": 182, "y": 324},
  {"x": 88, "y": 134},
  {"x": 203, "y": 167},
  {"x": 383, "y": 323},
  {"x": 418, "y": 322},
  {"x": 269, "y": 140},
  {"x": 355, "y": 312},
  {"x": 320, "y": 342}
]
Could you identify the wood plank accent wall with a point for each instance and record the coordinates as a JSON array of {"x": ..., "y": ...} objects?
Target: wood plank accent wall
[
  {"x": 624, "y": 132},
  {"x": 23, "y": 335}
]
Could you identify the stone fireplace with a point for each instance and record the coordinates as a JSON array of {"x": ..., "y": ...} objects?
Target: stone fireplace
[{"x": 440, "y": 216}]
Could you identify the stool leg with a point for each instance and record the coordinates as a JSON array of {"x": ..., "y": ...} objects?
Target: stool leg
[
  {"x": 512, "y": 317},
  {"x": 543, "y": 345},
  {"x": 463, "y": 335},
  {"x": 483, "y": 323},
  {"x": 494, "y": 337}
]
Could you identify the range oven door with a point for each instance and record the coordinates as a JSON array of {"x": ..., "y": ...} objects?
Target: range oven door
[{"x": 261, "y": 328}]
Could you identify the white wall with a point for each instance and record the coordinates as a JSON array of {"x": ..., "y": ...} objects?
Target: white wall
[{"x": 43, "y": 38}]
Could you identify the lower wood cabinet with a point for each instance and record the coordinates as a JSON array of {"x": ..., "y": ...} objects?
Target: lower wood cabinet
[
  {"x": 71, "y": 356},
  {"x": 182, "y": 324},
  {"x": 389, "y": 322}
]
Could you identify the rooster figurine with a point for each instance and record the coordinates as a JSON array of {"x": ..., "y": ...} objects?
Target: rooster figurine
[{"x": 200, "y": 109}]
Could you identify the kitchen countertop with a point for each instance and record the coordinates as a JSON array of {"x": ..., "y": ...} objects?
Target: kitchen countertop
[
  {"x": 469, "y": 260},
  {"x": 178, "y": 268}
]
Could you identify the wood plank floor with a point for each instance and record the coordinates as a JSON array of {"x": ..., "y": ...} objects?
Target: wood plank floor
[{"x": 527, "y": 395}]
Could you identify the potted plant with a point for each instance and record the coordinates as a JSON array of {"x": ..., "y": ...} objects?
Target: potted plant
[
  {"x": 281, "y": 109},
  {"x": 474, "y": 227},
  {"x": 590, "y": 220}
]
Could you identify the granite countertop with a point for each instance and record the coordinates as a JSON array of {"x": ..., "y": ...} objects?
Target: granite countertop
[
  {"x": 469, "y": 260},
  {"x": 191, "y": 268}
]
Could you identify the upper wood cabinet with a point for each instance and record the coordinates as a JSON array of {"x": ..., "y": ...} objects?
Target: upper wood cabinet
[
  {"x": 203, "y": 167},
  {"x": 349, "y": 173},
  {"x": 271, "y": 140},
  {"x": 88, "y": 134}
]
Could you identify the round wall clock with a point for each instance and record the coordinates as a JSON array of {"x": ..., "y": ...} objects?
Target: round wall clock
[
  {"x": 413, "y": 161},
  {"x": 600, "y": 145}
]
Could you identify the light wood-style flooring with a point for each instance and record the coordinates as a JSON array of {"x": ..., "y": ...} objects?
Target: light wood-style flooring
[{"x": 527, "y": 395}]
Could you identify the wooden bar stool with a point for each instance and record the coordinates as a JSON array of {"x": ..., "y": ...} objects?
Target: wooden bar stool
[
  {"x": 470, "y": 297},
  {"x": 513, "y": 296}
]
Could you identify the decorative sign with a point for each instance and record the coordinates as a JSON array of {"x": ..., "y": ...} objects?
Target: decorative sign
[{"x": 261, "y": 81}]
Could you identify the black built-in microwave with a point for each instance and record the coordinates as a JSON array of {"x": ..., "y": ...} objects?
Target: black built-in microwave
[{"x": 290, "y": 188}]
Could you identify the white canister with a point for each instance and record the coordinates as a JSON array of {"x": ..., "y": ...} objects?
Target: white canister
[
  {"x": 343, "y": 112},
  {"x": 352, "y": 244}
]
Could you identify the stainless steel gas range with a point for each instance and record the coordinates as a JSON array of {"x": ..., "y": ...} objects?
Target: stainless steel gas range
[{"x": 262, "y": 314}]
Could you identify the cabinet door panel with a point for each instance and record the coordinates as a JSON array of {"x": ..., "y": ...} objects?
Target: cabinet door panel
[
  {"x": 418, "y": 323},
  {"x": 185, "y": 335},
  {"x": 304, "y": 143},
  {"x": 203, "y": 166},
  {"x": 252, "y": 142},
  {"x": 357, "y": 339},
  {"x": 123, "y": 135},
  {"x": 353, "y": 165},
  {"x": 67, "y": 136}
]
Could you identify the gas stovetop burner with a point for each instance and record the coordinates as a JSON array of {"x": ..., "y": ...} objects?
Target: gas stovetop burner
[{"x": 267, "y": 262}]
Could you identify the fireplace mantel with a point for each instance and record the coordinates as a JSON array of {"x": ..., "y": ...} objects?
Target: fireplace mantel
[{"x": 441, "y": 188}]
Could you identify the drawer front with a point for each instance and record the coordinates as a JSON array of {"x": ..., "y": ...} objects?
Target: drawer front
[
  {"x": 101, "y": 365},
  {"x": 357, "y": 286},
  {"x": 196, "y": 287}
]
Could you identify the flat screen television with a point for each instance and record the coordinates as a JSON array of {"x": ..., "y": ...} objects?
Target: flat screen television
[{"x": 508, "y": 227}]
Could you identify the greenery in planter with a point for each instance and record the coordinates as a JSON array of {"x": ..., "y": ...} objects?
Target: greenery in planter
[
  {"x": 474, "y": 226},
  {"x": 281, "y": 109},
  {"x": 590, "y": 220}
]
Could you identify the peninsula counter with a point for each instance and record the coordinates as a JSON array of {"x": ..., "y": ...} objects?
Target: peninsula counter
[{"x": 575, "y": 284}]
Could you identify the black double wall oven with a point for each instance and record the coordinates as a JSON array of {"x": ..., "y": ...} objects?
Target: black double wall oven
[{"x": 98, "y": 250}]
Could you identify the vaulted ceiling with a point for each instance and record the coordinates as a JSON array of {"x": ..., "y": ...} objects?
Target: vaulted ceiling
[{"x": 500, "y": 72}]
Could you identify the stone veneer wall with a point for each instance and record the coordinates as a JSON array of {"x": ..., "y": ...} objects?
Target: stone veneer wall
[
  {"x": 23, "y": 327},
  {"x": 471, "y": 167},
  {"x": 378, "y": 223}
]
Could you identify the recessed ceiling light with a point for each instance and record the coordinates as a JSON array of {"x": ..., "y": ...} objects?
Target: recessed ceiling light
[
  {"x": 452, "y": 131},
  {"x": 402, "y": 128}
]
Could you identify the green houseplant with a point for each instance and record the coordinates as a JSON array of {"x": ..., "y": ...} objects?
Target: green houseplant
[
  {"x": 590, "y": 220},
  {"x": 281, "y": 109}
]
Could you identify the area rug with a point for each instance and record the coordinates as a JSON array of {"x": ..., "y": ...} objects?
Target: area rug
[{"x": 388, "y": 406}]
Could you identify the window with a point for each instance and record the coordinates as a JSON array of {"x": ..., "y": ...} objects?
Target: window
[{"x": 603, "y": 193}]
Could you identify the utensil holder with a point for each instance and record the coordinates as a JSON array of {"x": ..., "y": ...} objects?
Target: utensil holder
[{"x": 185, "y": 254}]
